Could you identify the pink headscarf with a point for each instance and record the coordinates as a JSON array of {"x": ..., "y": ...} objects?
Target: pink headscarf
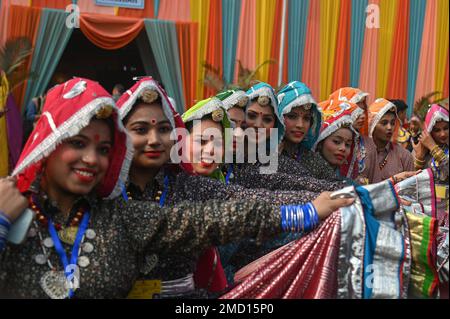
[{"x": 435, "y": 114}]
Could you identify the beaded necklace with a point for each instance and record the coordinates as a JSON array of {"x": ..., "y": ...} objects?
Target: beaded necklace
[
  {"x": 54, "y": 282},
  {"x": 383, "y": 163},
  {"x": 43, "y": 220},
  {"x": 160, "y": 194}
]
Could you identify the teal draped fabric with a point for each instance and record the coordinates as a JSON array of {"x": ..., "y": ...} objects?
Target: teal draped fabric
[
  {"x": 231, "y": 11},
  {"x": 52, "y": 39},
  {"x": 416, "y": 20},
  {"x": 147, "y": 58},
  {"x": 162, "y": 36},
  {"x": 358, "y": 25},
  {"x": 298, "y": 12},
  {"x": 156, "y": 7},
  {"x": 372, "y": 228}
]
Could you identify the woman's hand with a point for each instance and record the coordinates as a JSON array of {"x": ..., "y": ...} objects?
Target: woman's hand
[
  {"x": 419, "y": 149},
  {"x": 427, "y": 140},
  {"x": 12, "y": 202},
  {"x": 404, "y": 175},
  {"x": 325, "y": 205}
]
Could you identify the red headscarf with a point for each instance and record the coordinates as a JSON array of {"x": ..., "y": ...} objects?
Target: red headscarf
[
  {"x": 68, "y": 108},
  {"x": 355, "y": 96},
  {"x": 149, "y": 90},
  {"x": 334, "y": 120}
]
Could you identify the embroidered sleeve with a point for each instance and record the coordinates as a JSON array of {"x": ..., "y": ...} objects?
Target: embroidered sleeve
[
  {"x": 197, "y": 188},
  {"x": 250, "y": 177},
  {"x": 314, "y": 164},
  {"x": 193, "y": 226}
]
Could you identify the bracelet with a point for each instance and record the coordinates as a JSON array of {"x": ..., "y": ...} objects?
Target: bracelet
[
  {"x": 438, "y": 154},
  {"x": 299, "y": 218},
  {"x": 419, "y": 160},
  {"x": 5, "y": 225},
  {"x": 4, "y": 220},
  {"x": 419, "y": 164}
]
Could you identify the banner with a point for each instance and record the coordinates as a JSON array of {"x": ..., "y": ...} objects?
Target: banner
[{"x": 135, "y": 4}]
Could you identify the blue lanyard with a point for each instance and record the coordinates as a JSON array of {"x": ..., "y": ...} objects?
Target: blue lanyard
[
  {"x": 124, "y": 191},
  {"x": 229, "y": 172},
  {"x": 165, "y": 189},
  {"x": 76, "y": 245},
  {"x": 162, "y": 200}
]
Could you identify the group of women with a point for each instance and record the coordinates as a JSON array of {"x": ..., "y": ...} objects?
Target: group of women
[{"x": 117, "y": 217}]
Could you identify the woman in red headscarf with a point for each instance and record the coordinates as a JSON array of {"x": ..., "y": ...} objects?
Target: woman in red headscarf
[
  {"x": 356, "y": 101},
  {"x": 337, "y": 143},
  {"x": 86, "y": 241}
]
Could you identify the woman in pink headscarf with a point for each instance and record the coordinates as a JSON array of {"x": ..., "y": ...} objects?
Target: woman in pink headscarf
[{"x": 432, "y": 148}]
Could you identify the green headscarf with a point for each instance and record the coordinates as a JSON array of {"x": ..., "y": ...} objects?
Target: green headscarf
[
  {"x": 233, "y": 98},
  {"x": 213, "y": 106}
]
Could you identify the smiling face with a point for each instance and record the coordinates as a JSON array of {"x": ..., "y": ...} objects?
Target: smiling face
[
  {"x": 259, "y": 116},
  {"x": 80, "y": 163},
  {"x": 384, "y": 130},
  {"x": 204, "y": 147},
  {"x": 150, "y": 132},
  {"x": 440, "y": 133},
  {"x": 298, "y": 121},
  {"x": 336, "y": 147}
]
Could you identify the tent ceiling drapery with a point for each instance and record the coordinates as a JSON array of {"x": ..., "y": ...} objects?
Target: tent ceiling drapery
[
  {"x": 410, "y": 52},
  {"x": 110, "y": 32}
]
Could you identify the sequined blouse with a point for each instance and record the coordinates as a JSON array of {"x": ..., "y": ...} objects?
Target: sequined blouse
[
  {"x": 125, "y": 230},
  {"x": 309, "y": 161},
  {"x": 291, "y": 176}
]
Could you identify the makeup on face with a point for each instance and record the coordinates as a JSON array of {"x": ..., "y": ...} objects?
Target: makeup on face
[
  {"x": 80, "y": 162},
  {"x": 206, "y": 150},
  {"x": 150, "y": 132},
  {"x": 384, "y": 130},
  {"x": 257, "y": 117},
  {"x": 297, "y": 122},
  {"x": 337, "y": 147},
  {"x": 237, "y": 116},
  {"x": 439, "y": 133}
]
